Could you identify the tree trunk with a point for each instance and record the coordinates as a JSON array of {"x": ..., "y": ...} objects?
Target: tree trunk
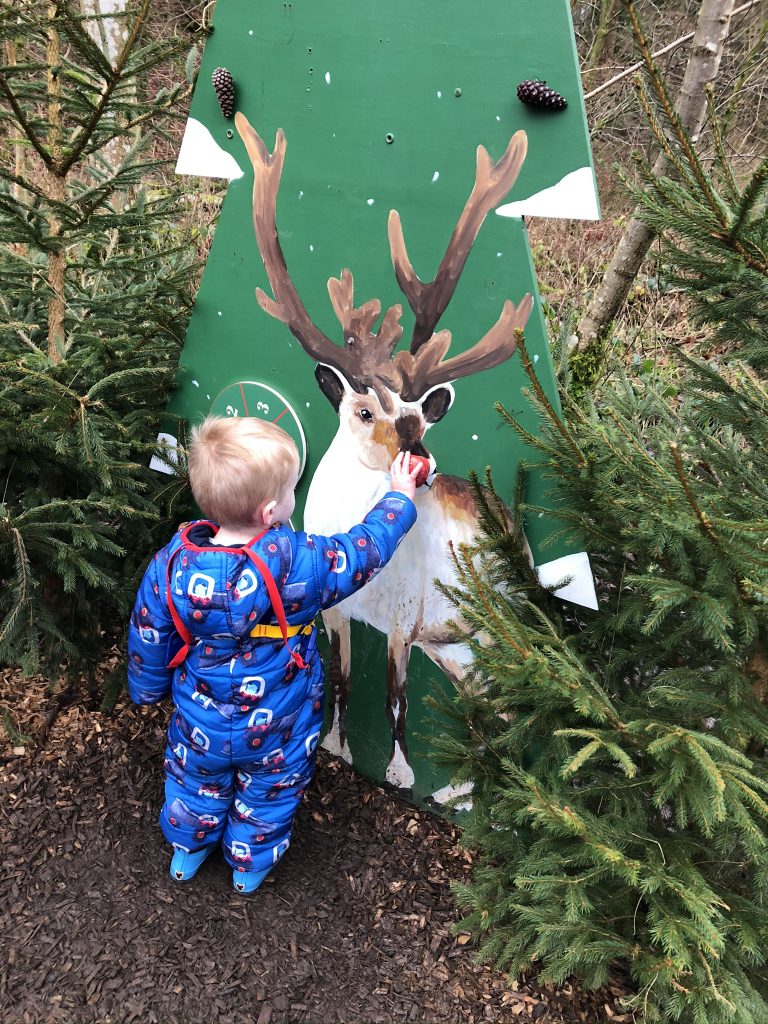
[
  {"x": 57, "y": 260},
  {"x": 706, "y": 52},
  {"x": 110, "y": 34}
]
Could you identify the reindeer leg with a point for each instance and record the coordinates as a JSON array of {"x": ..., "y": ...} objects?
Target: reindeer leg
[
  {"x": 453, "y": 660},
  {"x": 339, "y": 635},
  {"x": 399, "y": 772}
]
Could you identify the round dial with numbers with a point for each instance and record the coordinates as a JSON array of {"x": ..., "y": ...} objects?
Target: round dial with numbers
[{"x": 251, "y": 398}]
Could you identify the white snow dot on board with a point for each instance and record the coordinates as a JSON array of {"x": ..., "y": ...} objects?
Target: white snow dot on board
[
  {"x": 301, "y": 193},
  {"x": 370, "y": 201},
  {"x": 541, "y": 515},
  {"x": 327, "y": 77},
  {"x": 218, "y": 312},
  {"x": 435, "y": 176},
  {"x": 311, "y": 248},
  {"x": 250, "y": 31},
  {"x": 535, "y": 358},
  {"x": 196, "y": 383},
  {"x": 499, "y": 253},
  {"x": 498, "y": 118},
  {"x": 439, "y": 94},
  {"x": 474, "y": 437},
  {"x": 307, "y": 404},
  {"x": 208, "y": 397}
]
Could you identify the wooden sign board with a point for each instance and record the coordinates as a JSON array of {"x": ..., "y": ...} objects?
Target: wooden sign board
[{"x": 383, "y": 108}]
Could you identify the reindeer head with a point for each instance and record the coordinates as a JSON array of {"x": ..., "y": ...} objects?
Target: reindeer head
[
  {"x": 380, "y": 430},
  {"x": 385, "y": 399}
]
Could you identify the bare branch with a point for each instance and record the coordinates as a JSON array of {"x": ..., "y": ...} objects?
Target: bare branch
[{"x": 657, "y": 53}]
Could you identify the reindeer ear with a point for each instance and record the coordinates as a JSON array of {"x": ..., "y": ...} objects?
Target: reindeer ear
[
  {"x": 437, "y": 403},
  {"x": 331, "y": 384}
]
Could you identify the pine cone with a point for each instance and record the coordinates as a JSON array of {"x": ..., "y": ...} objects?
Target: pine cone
[
  {"x": 224, "y": 87},
  {"x": 535, "y": 93}
]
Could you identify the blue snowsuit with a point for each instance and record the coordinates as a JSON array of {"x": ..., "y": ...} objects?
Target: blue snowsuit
[{"x": 246, "y": 722}]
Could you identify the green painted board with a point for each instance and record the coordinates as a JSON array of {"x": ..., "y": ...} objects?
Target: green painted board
[{"x": 383, "y": 107}]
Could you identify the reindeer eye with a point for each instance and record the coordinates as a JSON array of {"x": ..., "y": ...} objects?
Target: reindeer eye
[{"x": 365, "y": 414}]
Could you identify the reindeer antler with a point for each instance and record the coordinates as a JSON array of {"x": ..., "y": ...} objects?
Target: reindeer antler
[
  {"x": 372, "y": 351},
  {"x": 427, "y": 369},
  {"x": 365, "y": 359},
  {"x": 429, "y": 300}
]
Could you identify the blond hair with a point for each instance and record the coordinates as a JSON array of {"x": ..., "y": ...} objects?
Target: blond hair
[{"x": 237, "y": 464}]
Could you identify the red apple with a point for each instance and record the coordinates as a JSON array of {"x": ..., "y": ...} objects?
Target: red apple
[{"x": 424, "y": 468}]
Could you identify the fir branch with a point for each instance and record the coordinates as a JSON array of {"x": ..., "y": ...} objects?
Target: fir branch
[
  {"x": 79, "y": 145},
  {"x": 659, "y": 135},
  {"x": 24, "y": 124},
  {"x": 715, "y": 991},
  {"x": 544, "y": 401},
  {"x": 636, "y": 446},
  {"x": 752, "y": 195},
  {"x": 466, "y": 566},
  {"x": 701, "y": 516},
  {"x": 671, "y": 114},
  {"x": 717, "y": 138},
  {"x": 23, "y": 580}
]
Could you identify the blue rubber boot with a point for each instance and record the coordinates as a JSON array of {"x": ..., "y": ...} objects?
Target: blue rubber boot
[
  {"x": 184, "y": 865},
  {"x": 248, "y": 881}
]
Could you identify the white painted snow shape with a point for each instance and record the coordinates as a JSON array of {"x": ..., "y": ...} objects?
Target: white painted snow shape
[
  {"x": 169, "y": 463},
  {"x": 574, "y": 196},
  {"x": 581, "y": 588},
  {"x": 201, "y": 154}
]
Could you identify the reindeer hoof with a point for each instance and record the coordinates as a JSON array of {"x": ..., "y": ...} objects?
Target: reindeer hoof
[
  {"x": 334, "y": 746},
  {"x": 399, "y": 772}
]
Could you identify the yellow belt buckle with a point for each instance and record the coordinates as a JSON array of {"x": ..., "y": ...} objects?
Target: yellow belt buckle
[{"x": 271, "y": 632}]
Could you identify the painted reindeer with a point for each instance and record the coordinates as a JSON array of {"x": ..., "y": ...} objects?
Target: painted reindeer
[{"x": 386, "y": 401}]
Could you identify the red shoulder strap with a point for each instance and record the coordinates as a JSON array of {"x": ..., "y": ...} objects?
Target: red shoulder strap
[
  {"x": 178, "y": 622},
  {"x": 275, "y": 600},
  {"x": 274, "y": 597}
]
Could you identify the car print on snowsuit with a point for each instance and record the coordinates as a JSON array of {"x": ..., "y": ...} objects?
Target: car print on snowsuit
[
  {"x": 216, "y": 791},
  {"x": 223, "y": 708},
  {"x": 246, "y": 814},
  {"x": 316, "y": 696},
  {"x": 296, "y": 782},
  {"x": 199, "y": 742},
  {"x": 270, "y": 763},
  {"x": 180, "y": 814},
  {"x": 261, "y": 831},
  {"x": 262, "y": 724},
  {"x": 251, "y": 692},
  {"x": 172, "y": 767}
]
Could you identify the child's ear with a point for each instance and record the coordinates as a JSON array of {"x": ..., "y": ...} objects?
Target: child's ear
[{"x": 268, "y": 513}]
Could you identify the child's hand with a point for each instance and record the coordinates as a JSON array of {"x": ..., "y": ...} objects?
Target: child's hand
[{"x": 403, "y": 478}]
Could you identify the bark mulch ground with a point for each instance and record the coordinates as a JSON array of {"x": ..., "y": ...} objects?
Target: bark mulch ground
[{"x": 356, "y": 925}]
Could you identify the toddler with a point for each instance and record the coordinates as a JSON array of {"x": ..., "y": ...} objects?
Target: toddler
[{"x": 224, "y": 620}]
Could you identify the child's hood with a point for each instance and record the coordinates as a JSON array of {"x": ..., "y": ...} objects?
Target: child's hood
[{"x": 218, "y": 592}]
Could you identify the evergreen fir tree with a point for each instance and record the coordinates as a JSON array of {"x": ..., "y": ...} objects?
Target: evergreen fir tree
[
  {"x": 619, "y": 757},
  {"x": 95, "y": 278},
  {"x": 713, "y": 231}
]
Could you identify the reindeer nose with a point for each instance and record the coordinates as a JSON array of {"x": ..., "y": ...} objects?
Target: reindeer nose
[{"x": 417, "y": 448}]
